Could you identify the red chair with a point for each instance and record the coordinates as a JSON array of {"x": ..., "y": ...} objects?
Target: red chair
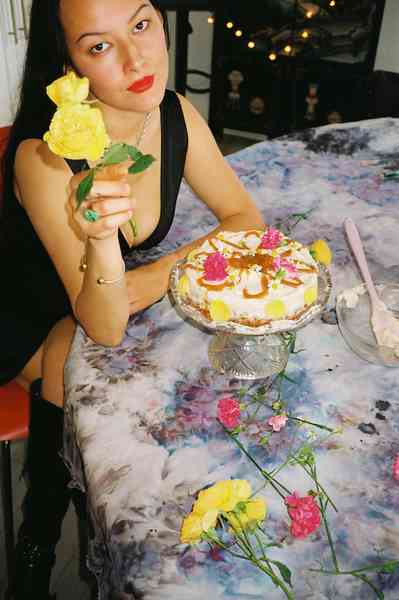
[{"x": 14, "y": 425}]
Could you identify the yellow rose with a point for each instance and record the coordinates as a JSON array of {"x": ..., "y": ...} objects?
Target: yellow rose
[
  {"x": 223, "y": 496},
  {"x": 69, "y": 88},
  {"x": 77, "y": 132},
  {"x": 191, "y": 530},
  {"x": 254, "y": 512}
]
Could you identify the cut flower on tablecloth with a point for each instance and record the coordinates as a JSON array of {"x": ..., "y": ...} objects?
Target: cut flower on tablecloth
[
  {"x": 308, "y": 512},
  {"x": 77, "y": 131},
  {"x": 229, "y": 517}
]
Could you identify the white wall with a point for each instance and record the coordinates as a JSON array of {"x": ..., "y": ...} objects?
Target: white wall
[{"x": 387, "y": 58}]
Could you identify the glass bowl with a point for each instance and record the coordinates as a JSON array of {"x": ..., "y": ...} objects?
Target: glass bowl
[{"x": 353, "y": 313}]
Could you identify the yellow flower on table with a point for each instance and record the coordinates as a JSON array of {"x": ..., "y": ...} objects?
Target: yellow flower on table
[
  {"x": 191, "y": 530},
  {"x": 223, "y": 496},
  {"x": 253, "y": 513},
  {"x": 68, "y": 89},
  {"x": 77, "y": 131}
]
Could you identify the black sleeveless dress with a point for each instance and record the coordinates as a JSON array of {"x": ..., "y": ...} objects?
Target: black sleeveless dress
[{"x": 33, "y": 298}]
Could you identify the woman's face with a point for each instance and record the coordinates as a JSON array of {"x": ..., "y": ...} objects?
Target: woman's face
[{"x": 120, "y": 46}]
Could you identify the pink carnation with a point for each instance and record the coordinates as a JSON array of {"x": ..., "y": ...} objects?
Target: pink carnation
[
  {"x": 229, "y": 412},
  {"x": 304, "y": 513},
  {"x": 271, "y": 239},
  {"x": 215, "y": 267},
  {"x": 395, "y": 469},
  {"x": 283, "y": 263},
  {"x": 277, "y": 422}
]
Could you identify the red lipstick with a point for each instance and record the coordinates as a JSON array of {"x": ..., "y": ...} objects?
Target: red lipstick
[{"x": 142, "y": 85}]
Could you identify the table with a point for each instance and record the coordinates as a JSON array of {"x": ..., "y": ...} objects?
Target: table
[{"x": 141, "y": 433}]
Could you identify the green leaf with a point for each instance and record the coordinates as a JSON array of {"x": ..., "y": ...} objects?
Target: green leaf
[
  {"x": 134, "y": 153},
  {"x": 284, "y": 571},
  {"x": 84, "y": 187},
  {"x": 390, "y": 567},
  {"x": 142, "y": 164},
  {"x": 116, "y": 154}
]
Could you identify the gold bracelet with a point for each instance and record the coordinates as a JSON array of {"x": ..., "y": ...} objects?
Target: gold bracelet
[{"x": 101, "y": 280}]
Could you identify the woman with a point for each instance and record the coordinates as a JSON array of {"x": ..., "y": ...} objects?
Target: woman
[{"x": 121, "y": 47}]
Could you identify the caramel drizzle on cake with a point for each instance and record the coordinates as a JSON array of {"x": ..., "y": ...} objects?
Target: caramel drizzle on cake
[
  {"x": 262, "y": 293},
  {"x": 292, "y": 282},
  {"x": 216, "y": 287}
]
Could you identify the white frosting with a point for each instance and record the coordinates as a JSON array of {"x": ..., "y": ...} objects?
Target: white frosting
[{"x": 272, "y": 284}]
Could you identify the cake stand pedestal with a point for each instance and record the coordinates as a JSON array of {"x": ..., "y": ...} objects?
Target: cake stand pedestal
[
  {"x": 246, "y": 352},
  {"x": 248, "y": 356}
]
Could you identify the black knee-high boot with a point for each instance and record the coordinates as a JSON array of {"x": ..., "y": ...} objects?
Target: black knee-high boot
[{"x": 46, "y": 501}]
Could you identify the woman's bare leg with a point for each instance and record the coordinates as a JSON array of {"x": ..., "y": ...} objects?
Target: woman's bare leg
[{"x": 48, "y": 362}]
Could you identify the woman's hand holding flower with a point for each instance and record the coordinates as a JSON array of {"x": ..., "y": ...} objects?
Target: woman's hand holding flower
[
  {"x": 107, "y": 206},
  {"x": 77, "y": 131}
]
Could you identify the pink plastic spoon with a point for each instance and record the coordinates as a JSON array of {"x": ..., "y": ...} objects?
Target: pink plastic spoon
[{"x": 384, "y": 325}]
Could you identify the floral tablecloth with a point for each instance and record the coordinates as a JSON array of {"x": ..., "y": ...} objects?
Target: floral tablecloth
[{"x": 141, "y": 430}]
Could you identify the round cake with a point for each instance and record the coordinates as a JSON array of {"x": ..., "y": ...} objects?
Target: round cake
[{"x": 250, "y": 277}]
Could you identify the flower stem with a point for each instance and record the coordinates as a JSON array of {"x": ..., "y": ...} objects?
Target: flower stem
[
  {"x": 273, "y": 482},
  {"x": 133, "y": 226},
  {"x": 311, "y": 423}
]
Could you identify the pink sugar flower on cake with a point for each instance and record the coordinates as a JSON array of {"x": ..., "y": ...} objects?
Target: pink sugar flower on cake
[
  {"x": 229, "y": 412},
  {"x": 395, "y": 468},
  {"x": 304, "y": 513},
  {"x": 271, "y": 239},
  {"x": 215, "y": 267},
  {"x": 283, "y": 263},
  {"x": 277, "y": 422}
]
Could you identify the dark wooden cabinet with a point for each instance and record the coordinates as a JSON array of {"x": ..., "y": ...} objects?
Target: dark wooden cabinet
[{"x": 326, "y": 78}]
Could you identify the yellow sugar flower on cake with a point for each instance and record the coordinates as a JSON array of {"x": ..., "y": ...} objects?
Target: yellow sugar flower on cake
[
  {"x": 310, "y": 295},
  {"x": 321, "y": 252},
  {"x": 275, "y": 309},
  {"x": 68, "y": 89},
  {"x": 77, "y": 131},
  {"x": 183, "y": 286},
  {"x": 219, "y": 311}
]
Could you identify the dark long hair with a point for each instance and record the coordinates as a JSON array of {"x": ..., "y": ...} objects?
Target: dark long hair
[{"x": 46, "y": 57}]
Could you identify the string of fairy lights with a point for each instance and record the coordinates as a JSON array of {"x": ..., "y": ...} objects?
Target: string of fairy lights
[{"x": 305, "y": 32}]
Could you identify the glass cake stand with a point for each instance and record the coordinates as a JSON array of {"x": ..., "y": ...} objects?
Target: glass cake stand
[{"x": 246, "y": 352}]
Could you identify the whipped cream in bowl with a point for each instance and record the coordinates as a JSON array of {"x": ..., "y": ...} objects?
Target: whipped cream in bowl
[{"x": 354, "y": 312}]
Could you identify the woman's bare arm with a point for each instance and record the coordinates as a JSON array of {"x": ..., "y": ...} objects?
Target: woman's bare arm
[{"x": 43, "y": 184}]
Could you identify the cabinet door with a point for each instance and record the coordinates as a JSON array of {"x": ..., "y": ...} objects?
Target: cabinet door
[{"x": 13, "y": 41}]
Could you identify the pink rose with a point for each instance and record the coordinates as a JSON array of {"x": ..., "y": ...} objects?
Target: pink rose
[
  {"x": 229, "y": 412},
  {"x": 277, "y": 422},
  {"x": 395, "y": 469},
  {"x": 304, "y": 513},
  {"x": 283, "y": 263},
  {"x": 271, "y": 239},
  {"x": 215, "y": 267}
]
